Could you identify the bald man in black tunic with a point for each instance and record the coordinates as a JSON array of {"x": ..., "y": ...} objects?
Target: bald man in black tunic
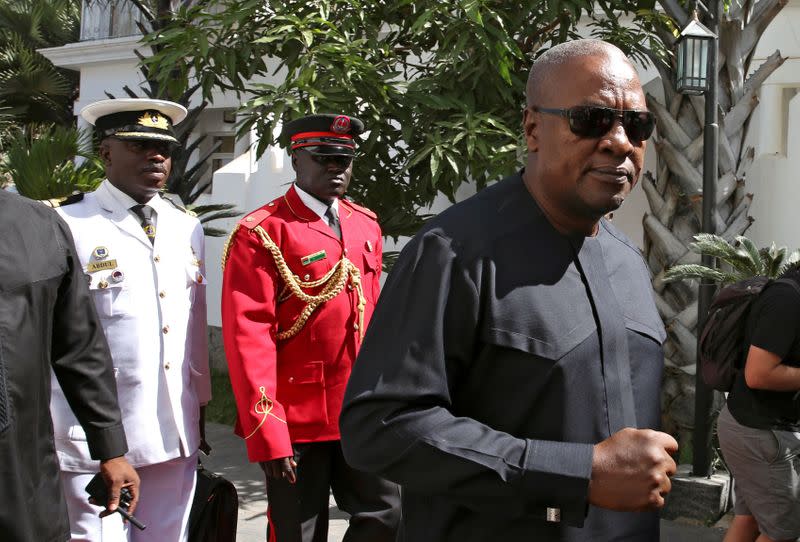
[{"x": 510, "y": 377}]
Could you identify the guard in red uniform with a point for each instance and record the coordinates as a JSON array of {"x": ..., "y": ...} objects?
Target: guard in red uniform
[{"x": 300, "y": 283}]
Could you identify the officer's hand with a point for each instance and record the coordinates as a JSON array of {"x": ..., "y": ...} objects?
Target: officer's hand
[
  {"x": 631, "y": 470},
  {"x": 282, "y": 468},
  {"x": 118, "y": 473}
]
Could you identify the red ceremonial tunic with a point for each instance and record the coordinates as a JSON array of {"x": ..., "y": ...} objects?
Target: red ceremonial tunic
[{"x": 290, "y": 390}]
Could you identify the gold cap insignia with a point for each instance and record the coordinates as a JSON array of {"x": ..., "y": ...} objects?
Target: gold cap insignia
[{"x": 153, "y": 119}]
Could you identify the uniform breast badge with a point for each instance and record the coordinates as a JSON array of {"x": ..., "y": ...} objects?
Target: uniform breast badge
[
  {"x": 315, "y": 257},
  {"x": 100, "y": 253},
  {"x": 117, "y": 275}
]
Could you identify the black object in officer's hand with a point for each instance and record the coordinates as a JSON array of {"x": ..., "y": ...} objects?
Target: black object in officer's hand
[{"x": 97, "y": 490}]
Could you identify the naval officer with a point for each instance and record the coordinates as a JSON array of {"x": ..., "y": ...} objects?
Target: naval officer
[{"x": 143, "y": 258}]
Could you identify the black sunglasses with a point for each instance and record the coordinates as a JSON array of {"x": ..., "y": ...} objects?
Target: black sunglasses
[
  {"x": 340, "y": 160},
  {"x": 595, "y": 121}
]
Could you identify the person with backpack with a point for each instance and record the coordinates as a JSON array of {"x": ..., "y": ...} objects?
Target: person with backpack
[{"x": 759, "y": 427}]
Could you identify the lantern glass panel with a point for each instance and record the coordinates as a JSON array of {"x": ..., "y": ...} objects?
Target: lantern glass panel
[{"x": 692, "y": 66}]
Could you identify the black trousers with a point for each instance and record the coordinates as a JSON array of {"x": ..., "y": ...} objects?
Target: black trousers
[{"x": 299, "y": 512}]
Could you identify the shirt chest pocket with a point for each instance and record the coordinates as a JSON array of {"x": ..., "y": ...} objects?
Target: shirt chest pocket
[
  {"x": 110, "y": 299},
  {"x": 543, "y": 321}
]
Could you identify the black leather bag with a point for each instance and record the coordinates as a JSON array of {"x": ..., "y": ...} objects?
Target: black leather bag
[{"x": 215, "y": 508}]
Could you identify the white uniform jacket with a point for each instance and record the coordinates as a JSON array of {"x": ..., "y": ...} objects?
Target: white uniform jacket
[{"x": 154, "y": 317}]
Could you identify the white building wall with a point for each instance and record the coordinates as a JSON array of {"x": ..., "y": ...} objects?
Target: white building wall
[{"x": 774, "y": 175}]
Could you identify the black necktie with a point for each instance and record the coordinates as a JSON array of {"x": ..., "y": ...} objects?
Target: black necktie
[
  {"x": 145, "y": 214},
  {"x": 333, "y": 222}
]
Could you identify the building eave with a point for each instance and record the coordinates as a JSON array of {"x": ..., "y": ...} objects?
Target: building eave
[{"x": 74, "y": 56}]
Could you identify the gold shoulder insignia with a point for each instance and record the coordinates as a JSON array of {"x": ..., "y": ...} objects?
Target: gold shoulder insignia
[{"x": 62, "y": 201}]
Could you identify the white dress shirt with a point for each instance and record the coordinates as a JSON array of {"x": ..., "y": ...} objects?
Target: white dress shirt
[{"x": 319, "y": 207}]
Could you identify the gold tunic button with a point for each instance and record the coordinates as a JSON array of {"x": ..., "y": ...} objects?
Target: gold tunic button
[
  {"x": 355, "y": 327},
  {"x": 271, "y": 204},
  {"x": 306, "y": 276},
  {"x": 162, "y": 294},
  {"x": 349, "y": 286},
  {"x": 291, "y": 379},
  {"x": 156, "y": 258},
  {"x": 165, "y": 329},
  {"x": 102, "y": 285},
  {"x": 345, "y": 252}
]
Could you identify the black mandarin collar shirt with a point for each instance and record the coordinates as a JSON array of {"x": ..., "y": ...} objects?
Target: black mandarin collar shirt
[{"x": 500, "y": 352}]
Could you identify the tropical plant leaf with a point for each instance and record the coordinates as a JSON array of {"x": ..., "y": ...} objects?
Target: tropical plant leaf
[
  {"x": 694, "y": 271},
  {"x": 438, "y": 84},
  {"x": 744, "y": 259},
  {"x": 751, "y": 253},
  {"x": 43, "y": 166}
]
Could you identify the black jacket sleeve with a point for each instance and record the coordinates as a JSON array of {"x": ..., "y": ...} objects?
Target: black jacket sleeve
[{"x": 81, "y": 359}]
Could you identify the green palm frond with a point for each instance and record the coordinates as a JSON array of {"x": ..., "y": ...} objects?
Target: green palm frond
[
  {"x": 749, "y": 251},
  {"x": 42, "y": 166},
  {"x": 211, "y": 208},
  {"x": 717, "y": 247},
  {"x": 695, "y": 271},
  {"x": 30, "y": 85},
  {"x": 773, "y": 258},
  {"x": 739, "y": 260},
  {"x": 211, "y": 212},
  {"x": 792, "y": 261}
]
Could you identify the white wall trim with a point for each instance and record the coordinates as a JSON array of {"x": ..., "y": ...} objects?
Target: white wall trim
[{"x": 84, "y": 53}]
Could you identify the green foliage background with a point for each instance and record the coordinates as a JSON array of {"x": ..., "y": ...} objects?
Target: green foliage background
[{"x": 440, "y": 85}]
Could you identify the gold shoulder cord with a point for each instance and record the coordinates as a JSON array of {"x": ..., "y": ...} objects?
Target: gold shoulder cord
[{"x": 226, "y": 249}]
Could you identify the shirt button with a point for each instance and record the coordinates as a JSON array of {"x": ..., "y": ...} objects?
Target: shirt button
[
  {"x": 166, "y": 366},
  {"x": 156, "y": 258},
  {"x": 162, "y": 294},
  {"x": 165, "y": 329}
]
